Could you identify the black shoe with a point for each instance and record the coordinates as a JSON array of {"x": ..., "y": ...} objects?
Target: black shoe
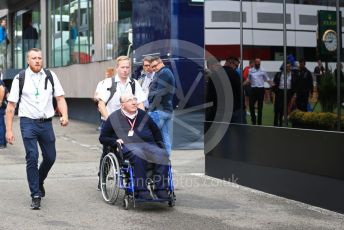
[
  {"x": 145, "y": 195},
  {"x": 162, "y": 194},
  {"x": 36, "y": 203},
  {"x": 41, "y": 189}
]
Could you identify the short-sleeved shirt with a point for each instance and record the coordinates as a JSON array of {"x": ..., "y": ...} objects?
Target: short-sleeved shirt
[
  {"x": 98, "y": 88},
  {"x": 258, "y": 77},
  {"x": 36, "y": 102},
  {"x": 114, "y": 104}
]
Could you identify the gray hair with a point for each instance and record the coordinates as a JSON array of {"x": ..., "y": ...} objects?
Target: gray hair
[
  {"x": 147, "y": 58},
  {"x": 33, "y": 49},
  {"x": 125, "y": 95}
]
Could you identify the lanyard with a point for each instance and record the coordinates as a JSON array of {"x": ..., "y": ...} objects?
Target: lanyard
[
  {"x": 132, "y": 124},
  {"x": 36, "y": 86}
]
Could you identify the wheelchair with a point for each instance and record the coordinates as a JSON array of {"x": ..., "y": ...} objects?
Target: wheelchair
[{"x": 116, "y": 174}]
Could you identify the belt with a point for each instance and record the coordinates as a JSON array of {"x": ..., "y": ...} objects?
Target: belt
[
  {"x": 43, "y": 119},
  {"x": 40, "y": 120}
]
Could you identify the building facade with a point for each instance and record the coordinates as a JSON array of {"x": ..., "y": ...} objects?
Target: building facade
[{"x": 79, "y": 40}]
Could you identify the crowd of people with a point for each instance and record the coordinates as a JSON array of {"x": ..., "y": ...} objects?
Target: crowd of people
[
  {"x": 250, "y": 88},
  {"x": 137, "y": 114}
]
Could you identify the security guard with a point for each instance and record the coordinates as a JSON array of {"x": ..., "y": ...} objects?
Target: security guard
[{"x": 36, "y": 112}]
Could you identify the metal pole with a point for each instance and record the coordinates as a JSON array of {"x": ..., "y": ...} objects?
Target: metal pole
[
  {"x": 339, "y": 48},
  {"x": 285, "y": 102},
  {"x": 241, "y": 65}
]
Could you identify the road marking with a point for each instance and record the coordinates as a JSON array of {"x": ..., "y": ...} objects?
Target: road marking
[{"x": 91, "y": 147}]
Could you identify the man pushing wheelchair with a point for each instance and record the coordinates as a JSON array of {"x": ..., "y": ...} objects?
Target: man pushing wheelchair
[{"x": 142, "y": 143}]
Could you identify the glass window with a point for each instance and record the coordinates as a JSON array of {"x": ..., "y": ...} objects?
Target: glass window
[
  {"x": 71, "y": 33},
  {"x": 115, "y": 29},
  {"x": 124, "y": 27},
  {"x": 314, "y": 98},
  {"x": 18, "y": 56},
  {"x": 26, "y": 34}
]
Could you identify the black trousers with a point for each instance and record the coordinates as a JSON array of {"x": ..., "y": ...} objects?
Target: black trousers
[
  {"x": 139, "y": 154},
  {"x": 279, "y": 105},
  {"x": 302, "y": 100},
  {"x": 257, "y": 94}
]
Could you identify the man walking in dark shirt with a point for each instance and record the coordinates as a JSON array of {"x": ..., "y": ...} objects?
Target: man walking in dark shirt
[
  {"x": 303, "y": 86},
  {"x": 239, "y": 114}
]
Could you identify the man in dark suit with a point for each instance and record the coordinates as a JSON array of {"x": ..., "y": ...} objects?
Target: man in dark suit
[
  {"x": 304, "y": 86},
  {"x": 141, "y": 141}
]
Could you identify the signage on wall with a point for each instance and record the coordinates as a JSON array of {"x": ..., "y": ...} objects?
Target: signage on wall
[{"x": 327, "y": 43}]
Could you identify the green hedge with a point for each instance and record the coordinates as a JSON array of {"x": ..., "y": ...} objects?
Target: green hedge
[{"x": 315, "y": 120}]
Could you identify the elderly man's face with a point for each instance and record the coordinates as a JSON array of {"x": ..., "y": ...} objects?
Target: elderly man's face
[{"x": 129, "y": 103}]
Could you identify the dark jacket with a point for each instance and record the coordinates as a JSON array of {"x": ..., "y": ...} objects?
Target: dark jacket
[
  {"x": 161, "y": 91},
  {"x": 30, "y": 33},
  {"x": 304, "y": 81},
  {"x": 235, "y": 80},
  {"x": 341, "y": 74},
  {"x": 277, "y": 81},
  {"x": 117, "y": 127}
]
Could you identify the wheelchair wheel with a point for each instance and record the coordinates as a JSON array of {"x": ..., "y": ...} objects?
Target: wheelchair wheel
[{"x": 110, "y": 178}]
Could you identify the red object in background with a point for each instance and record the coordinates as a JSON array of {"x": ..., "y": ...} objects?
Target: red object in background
[
  {"x": 81, "y": 58},
  {"x": 224, "y": 51}
]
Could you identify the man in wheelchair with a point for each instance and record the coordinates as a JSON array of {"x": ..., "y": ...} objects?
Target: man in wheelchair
[{"x": 141, "y": 142}]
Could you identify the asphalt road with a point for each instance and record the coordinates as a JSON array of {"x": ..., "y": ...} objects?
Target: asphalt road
[{"x": 72, "y": 201}]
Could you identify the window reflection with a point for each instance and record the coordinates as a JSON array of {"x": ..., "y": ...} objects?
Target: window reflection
[
  {"x": 26, "y": 34},
  {"x": 71, "y": 23},
  {"x": 308, "y": 92}
]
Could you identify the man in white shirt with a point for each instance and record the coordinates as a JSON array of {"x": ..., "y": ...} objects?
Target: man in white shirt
[
  {"x": 36, "y": 111},
  {"x": 147, "y": 78},
  {"x": 109, "y": 102},
  {"x": 257, "y": 76},
  {"x": 123, "y": 83}
]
